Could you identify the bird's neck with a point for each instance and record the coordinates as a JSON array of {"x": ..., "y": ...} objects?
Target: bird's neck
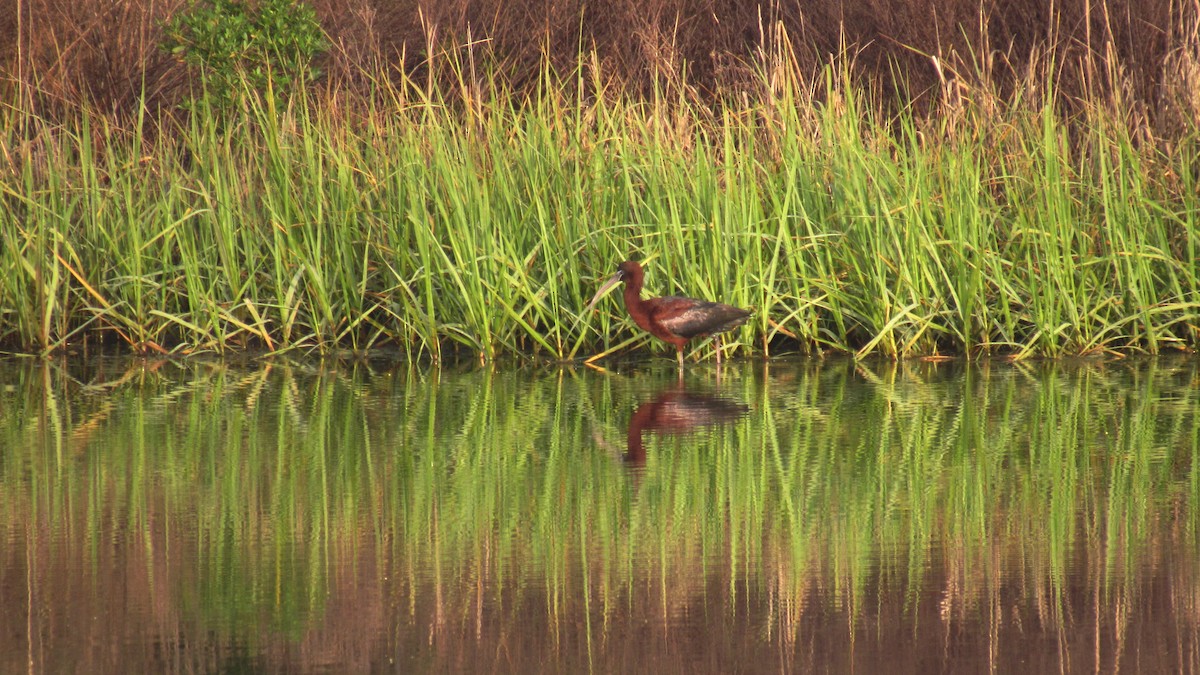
[{"x": 632, "y": 294}]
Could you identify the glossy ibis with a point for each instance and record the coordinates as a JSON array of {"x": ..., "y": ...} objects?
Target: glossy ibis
[{"x": 672, "y": 319}]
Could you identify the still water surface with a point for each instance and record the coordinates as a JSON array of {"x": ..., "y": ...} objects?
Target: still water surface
[{"x": 161, "y": 516}]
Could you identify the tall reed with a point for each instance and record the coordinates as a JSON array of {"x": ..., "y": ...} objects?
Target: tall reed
[{"x": 477, "y": 222}]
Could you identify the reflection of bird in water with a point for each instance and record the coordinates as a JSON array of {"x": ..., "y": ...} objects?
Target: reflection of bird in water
[
  {"x": 672, "y": 319},
  {"x": 677, "y": 412}
]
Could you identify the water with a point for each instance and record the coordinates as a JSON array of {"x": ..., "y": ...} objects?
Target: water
[{"x": 160, "y": 516}]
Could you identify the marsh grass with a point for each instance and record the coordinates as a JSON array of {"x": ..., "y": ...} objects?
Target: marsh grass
[{"x": 466, "y": 220}]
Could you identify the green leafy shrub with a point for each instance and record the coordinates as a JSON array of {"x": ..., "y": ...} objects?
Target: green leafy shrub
[{"x": 241, "y": 46}]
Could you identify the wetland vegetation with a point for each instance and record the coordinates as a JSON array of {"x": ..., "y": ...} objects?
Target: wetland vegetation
[
  {"x": 1003, "y": 188},
  {"x": 271, "y": 187}
]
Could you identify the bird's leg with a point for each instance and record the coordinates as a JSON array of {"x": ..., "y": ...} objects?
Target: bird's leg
[
  {"x": 718, "y": 352},
  {"x": 679, "y": 357}
]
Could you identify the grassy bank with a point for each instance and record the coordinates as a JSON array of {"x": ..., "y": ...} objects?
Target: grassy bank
[{"x": 480, "y": 227}]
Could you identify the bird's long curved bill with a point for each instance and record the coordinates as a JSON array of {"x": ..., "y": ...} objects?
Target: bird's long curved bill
[{"x": 612, "y": 281}]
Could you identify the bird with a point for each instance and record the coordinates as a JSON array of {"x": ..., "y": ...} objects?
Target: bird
[{"x": 672, "y": 319}]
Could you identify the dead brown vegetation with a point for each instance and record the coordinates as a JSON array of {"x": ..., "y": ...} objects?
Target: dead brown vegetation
[{"x": 1143, "y": 53}]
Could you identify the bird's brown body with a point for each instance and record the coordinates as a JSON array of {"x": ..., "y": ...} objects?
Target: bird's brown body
[{"x": 672, "y": 319}]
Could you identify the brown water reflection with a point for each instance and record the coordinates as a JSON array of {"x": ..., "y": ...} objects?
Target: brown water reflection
[
  {"x": 131, "y": 612},
  {"x": 845, "y": 518},
  {"x": 677, "y": 411}
]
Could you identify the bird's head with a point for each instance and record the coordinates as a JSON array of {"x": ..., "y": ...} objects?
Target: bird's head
[{"x": 626, "y": 271}]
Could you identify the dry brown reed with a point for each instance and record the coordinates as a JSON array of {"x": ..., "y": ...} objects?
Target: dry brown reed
[{"x": 1141, "y": 54}]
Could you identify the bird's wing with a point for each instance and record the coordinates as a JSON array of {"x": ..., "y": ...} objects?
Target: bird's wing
[{"x": 689, "y": 318}]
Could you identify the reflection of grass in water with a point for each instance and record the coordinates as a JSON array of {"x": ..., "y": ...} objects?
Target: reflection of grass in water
[{"x": 495, "y": 481}]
